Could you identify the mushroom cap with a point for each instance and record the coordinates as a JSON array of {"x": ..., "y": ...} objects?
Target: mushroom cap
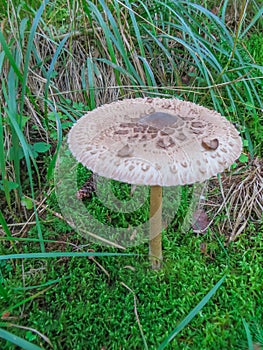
[{"x": 154, "y": 141}]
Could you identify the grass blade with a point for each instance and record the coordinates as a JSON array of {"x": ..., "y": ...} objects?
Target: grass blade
[
  {"x": 94, "y": 11},
  {"x": 10, "y": 57},
  {"x": 252, "y": 22},
  {"x": 50, "y": 170},
  {"x": 58, "y": 255},
  {"x": 191, "y": 315},
  {"x": 5, "y": 226},
  {"x": 28, "y": 154},
  {"x": 249, "y": 336},
  {"x": 29, "y": 50},
  {"x": 91, "y": 83},
  {"x": 24, "y": 344},
  {"x": 3, "y": 162},
  {"x": 52, "y": 65}
]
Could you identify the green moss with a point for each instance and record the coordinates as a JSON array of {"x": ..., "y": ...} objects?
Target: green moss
[{"x": 88, "y": 309}]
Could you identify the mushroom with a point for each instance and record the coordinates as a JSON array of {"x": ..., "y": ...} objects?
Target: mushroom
[{"x": 156, "y": 142}]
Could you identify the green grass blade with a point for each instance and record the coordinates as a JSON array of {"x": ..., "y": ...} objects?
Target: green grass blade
[
  {"x": 3, "y": 161},
  {"x": 24, "y": 344},
  {"x": 52, "y": 66},
  {"x": 162, "y": 47},
  {"x": 91, "y": 87},
  {"x": 26, "y": 150},
  {"x": 249, "y": 336},
  {"x": 51, "y": 167},
  {"x": 149, "y": 73},
  {"x": 28, "y": 154},
  {"x": 146, "y": 15},
  {"x": 10, "y": 57},
  {"x": 118, "y": 69},
  {"x": 214, "y": 19},
  {"x": 30, "y": 44},
  {"x": 27, "y": 239},
  {"x": 22, "y": 30},
  {"x": 10, "y": 94},
  {"x": 94, "y": 12},
  {"x": 135, "y": 26},
  {"x": 191, "y": 315},
  {"x": 119, "y": 44},
  {"x": 115, "y": 43},
  {"x": 2, "y": 57},
  {"x": 59, "y": 255},
  {"x": 28, "y": 299},
  {"x": 4, "y": 225},
  {"x": 46, "y": 284},
  {"x": 194, "y": 49},
  {"x": 252, "y": 22},
  {"x": 223, "y": 11}
]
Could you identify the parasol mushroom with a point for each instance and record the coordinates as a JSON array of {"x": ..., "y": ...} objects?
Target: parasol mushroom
[{"x": 155, "y": 142}]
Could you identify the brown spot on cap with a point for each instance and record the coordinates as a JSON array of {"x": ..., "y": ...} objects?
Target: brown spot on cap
[
  {"x": 210, "y": 145},
  {"x": 121, "y": 132},
  {"x": 181, "y": 136},
  {"x": 125, "y": 151},
  {"x": 165, "y": 143},
  {"x": 197, "y": 125}
]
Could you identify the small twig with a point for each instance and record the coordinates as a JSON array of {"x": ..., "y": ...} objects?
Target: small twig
[
  {"x": 100, "y": 266},
  {"x": 136, "y": 314}
]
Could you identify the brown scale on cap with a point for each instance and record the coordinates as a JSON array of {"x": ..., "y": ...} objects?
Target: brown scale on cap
[{"x": 155, "y": 141}]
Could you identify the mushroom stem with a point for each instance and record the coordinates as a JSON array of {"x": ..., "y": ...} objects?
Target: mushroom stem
[{"x": 155, "y": 244}]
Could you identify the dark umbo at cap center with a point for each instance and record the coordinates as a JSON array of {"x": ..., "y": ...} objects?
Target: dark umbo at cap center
[{"x": 159, "y": 120}]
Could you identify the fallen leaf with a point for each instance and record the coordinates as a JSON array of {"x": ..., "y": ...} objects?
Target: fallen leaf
[{"x": 200, "y": 221}]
